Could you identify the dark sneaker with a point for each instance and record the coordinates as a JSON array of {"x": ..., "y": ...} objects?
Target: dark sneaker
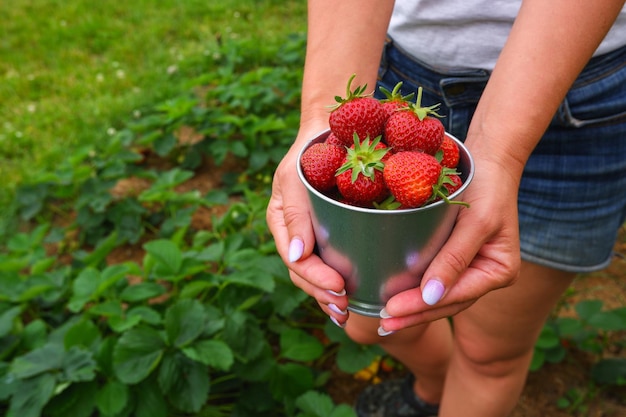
[{"x": 393, "y": 398}]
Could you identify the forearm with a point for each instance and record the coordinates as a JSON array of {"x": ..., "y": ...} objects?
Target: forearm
[
  {"x": 344, "y": 37},
  {"x": 550, "y": 43}
]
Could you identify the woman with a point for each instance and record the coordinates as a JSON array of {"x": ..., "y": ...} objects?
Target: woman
[{"x": 547, "y": 198}]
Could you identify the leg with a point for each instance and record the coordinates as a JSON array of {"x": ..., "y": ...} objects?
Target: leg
[
  {"x": 424, "y": 350},
  {"x": 494, "y": 342}
]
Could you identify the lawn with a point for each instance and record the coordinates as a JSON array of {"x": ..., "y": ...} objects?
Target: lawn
[{"x": 72, "y": 72}]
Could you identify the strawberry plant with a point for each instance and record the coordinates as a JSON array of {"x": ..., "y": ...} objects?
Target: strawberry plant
[
  {"x": 590, "y": 331},
  {"x": 115, "y": 301}
]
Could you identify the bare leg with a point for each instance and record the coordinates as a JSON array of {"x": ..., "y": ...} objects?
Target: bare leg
[
  {"x": 425, "y": 351},
  {"x": 494, "y": 341}
]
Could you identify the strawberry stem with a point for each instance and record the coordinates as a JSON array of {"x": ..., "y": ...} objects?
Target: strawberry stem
[{"x": 423, "y": 112}]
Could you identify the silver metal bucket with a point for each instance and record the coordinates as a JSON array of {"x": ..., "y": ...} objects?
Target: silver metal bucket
[{"x": 380, "y": 253}]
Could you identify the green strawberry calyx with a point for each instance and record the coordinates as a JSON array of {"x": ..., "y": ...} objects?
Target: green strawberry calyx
[
  {"x": 395, "y": 94},
  {"x": 423, "y": 112},
  {"x": 441, "y": 192},
  {"x": 363, "y": 158},
  {"x": 358, "y": 92}
]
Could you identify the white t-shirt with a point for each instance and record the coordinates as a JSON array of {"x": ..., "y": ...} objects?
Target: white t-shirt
[{"x": 466, "y": 33}]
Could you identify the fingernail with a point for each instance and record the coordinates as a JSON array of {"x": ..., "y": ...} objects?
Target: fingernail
[
  {"x": 337, "y": 310},
  {"x": 296, "y": 248},
  {"x": 337, "y": 294},
  {"x": 384, "y": 315},
  {"x": 433, "y": 291},
  {"x": 334, "y": 320},
  {"x": 382, "y": 332}
]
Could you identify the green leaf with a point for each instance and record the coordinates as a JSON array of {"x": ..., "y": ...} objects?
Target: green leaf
[
  {"x": 150, "y": 400},
  {"x": 141, "y": 292},
  {"x": 168, "y": 257},
  {"x": 136, "y": 354},
  {"x": 146, "y": 314},
  {"x": 83, "y": 333},
  {"x": 38, "y": 361},
  {"x": 7, "y": 320},
  {"x": 35, "y": 335},
  {"x": 243, "y": 335},
  {"x": 253, "y": 277},
  {"x": 78, "y": 365},
  {"x": 31, "y": 395},
  {"x": 610, "y": 371},
  {"x": 587, "y": 308},
  {"x": 122, "y": 323},
  {"x": 83, "y": 287},
  {"x": 607, "y": 321},
  {"x": 291, "y": 380},
  {"x": 213, "y": 353},
  {"x": 343, "y": 410},
  {"x": 297, "y": 345},
  {"x": 112, "y": 398},
  {"x": 548, "y": 338},
  {"x": 77, "y": 400},
  {"x": 315, "y": 404},
  {"x": 111, "y": 308},
  {"x": 185, "y": 382},
  {"x": 184, "y": 321}
]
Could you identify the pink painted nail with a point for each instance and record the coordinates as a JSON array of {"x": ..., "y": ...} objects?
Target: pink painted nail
[
  {"x": 433, "y": 291},
  {"x": 336, "y": 309},
  {"x": 296, "y": 249}
]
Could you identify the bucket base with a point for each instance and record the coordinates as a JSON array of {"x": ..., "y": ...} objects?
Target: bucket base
[{"x": 364, "y": 309}]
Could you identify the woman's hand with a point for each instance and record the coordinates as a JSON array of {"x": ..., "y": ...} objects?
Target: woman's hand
[
  {"x": 481, "y": 255},
  {"x": 289, "y": 220}
]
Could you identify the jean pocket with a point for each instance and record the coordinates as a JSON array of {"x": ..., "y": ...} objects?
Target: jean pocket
[{"x": 595, "y": 100}]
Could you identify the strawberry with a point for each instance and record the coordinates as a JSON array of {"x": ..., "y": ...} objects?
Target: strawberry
[
  {"x": 356, "y": 113},
  {"x": 332, "y": 139},
  {"x": 319, "y": 162},
  {"x": 394, "y": 100},
  {"x": 410, "y": 176},
  {"x": 449, "y": 153},
  {"x": 414, "y": 129},
  {"x": 360, "y": 179},
  {"x": 452, "y": 183}
]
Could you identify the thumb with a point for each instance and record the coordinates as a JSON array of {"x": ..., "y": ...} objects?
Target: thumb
[
  {"x": 288, "y": 216},
  {"x": 452, "y": 260}
]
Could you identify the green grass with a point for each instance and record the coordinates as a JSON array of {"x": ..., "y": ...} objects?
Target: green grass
[{"x": 72, "y": 72}]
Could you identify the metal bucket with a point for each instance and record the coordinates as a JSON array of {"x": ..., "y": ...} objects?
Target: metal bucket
[{"x": 380, "y": 253}]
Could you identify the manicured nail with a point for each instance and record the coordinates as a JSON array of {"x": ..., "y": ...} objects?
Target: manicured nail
[
  {"x": 337, "y": 310},
  {"x": 382, "y": 332},
  {"x": 296, "y": 249},
  {"x": 433, "y": 291},
  {"x": 384, "y": 315},
  {"x": 334, "y": 320},
  {"x": 337, "y": 294}
]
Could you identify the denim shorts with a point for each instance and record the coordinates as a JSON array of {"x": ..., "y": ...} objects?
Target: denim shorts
[{"x": 572, "y": 197}]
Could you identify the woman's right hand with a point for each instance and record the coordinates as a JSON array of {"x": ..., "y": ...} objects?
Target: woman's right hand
[{"x": 289, "y": 221}]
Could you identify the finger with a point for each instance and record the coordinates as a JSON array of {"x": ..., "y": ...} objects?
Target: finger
[
  {"x": 393, "y": 324},
  {"x": 316, "y": 278},
  {"x": 453, "y": 259}
]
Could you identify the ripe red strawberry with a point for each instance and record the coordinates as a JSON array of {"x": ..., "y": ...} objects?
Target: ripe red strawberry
[
  {"x": 360, "y": 179},
  {"x": 449, "y": 153},
  {"x": 415, "y": 129},
  {"x": 394, "y": 100},
  {"x": 410, "y": 176},
  {"x": 332, "y": 139},
  {"x": 356, "y": 113},
  {"x": 319, "y": 162},
  {"x": 452, "y": 182}
]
